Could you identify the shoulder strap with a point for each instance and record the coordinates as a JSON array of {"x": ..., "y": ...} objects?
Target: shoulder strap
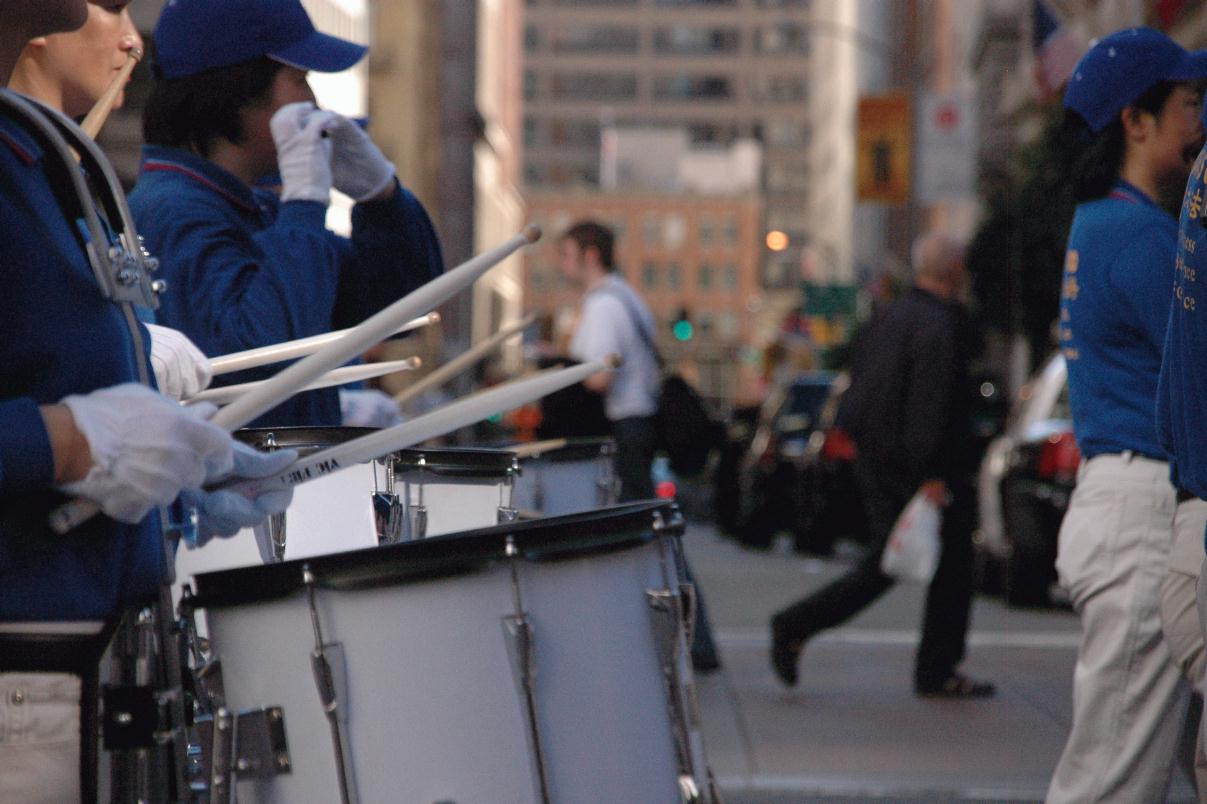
[{"x": 638, "y": 324}]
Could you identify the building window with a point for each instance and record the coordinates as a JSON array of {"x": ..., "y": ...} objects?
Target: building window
[
  {"x": 669, "y": 3},
  {"x": 727, "y": 326},
  {"x": 711, "y": 133},
  {"x": 649, "y": 276},
  {"x": 651, "y": 230},
  {"x": 531, "y": 84},
  {"x": 787, "y": 178},
  {"x": 687, "y": 40},
  {"x": 788, "y": 133},
  {"x": 692, "y": 87},
  {"x": 593, "y": 86},
  {"x": 594, "y": 2},
  {"x": 570, "y": 133},
  {"x": 532, "y": 38},
  {"x": 674, "y": 276},
  {"x": 783, "y": 3},
  {"x": 704, "y": 321},
  {"x": 783, "y": 88},
  {"x": 595, "y": 39},
  {"x": 704, "y": 231},
  {"x": 704, "y": 278},
  {"x": 674, "y": 231},
  {"x": 730, "y": 272},
  {"x": 731, "y": 231},
  {"x": 782, "y": 37}
]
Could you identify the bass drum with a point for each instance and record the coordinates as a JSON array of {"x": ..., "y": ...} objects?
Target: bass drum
[{"x": 540, "y": 661}]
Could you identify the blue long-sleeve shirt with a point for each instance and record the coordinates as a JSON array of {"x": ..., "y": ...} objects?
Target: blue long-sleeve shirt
[
  {"x": 1113, "y": 311},
  {"x": 1182, "y": 390},
  {"x": 244, "y": 270},
  {"x": 58, "y": 336}
]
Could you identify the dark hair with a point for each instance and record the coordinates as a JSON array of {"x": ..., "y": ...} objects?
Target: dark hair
[
  {"x": 589, "y": 234},
  {"x": 195, "y": 111},
  {"x": 1097, "y": 167}
]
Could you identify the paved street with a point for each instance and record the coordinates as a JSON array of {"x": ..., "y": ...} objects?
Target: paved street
[{"x": 853, "y": 730}]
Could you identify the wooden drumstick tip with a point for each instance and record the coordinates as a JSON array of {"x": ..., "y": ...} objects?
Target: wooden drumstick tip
[
  {"x": 415, "y": 362},
  {"x": 613, "y": 361},
  {"x": 433, "y": 318},
  {"x": 532, "y": 233},
  {"x": 136, "y": 53}
]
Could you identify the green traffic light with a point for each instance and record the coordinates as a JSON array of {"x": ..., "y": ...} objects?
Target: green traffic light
[{"x": 683, "y": 330}]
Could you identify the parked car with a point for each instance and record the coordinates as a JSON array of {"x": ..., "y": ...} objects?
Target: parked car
[
  {"x": 1023, "y": 488},
  {"x": 786, "y": 468}
]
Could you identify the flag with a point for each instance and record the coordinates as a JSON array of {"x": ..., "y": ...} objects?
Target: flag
[{"x": 1057, "y": 50}]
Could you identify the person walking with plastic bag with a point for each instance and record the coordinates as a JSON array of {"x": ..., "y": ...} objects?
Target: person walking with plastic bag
[{"x": 909, "y": 412}]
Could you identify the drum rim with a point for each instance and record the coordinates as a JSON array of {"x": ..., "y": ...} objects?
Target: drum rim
[
  {"x": 549, "y": 539},
  {"x": 451, "y": 461}
]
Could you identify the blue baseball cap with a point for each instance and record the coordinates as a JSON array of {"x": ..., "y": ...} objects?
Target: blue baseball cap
[
  {"x": 193, "y": 36},
  {"x": 1121, "y": 67}
]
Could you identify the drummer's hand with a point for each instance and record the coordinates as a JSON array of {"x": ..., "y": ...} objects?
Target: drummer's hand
[
  {"x": 224, "y": 513},
  {"x": 359, "y": 168},
  {"x": 181, "y": 369},
  {"x": 143, "y": 449},
  {"x": 303, "y": 151},
  {"x": 368, "y": 408}
]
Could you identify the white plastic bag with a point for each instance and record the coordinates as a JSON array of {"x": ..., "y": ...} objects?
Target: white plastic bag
[{"x": 912, "y": 552}]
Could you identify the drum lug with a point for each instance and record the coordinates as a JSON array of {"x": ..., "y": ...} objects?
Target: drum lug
[
  {"x": 518, "y": 634},
  {"x": 666, "y": 609},
  {"x": 507, "y": 515},
  {"x": 330, "y": 679},
  {"x": 689, "y": 791},
  {"x": 417, "y": 522},
  {"x": 387, "y": 517},
  {"x": 249, "y": 746}
]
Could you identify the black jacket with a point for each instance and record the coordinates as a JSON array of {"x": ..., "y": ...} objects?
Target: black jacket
[{"x": 909, "y": 407}]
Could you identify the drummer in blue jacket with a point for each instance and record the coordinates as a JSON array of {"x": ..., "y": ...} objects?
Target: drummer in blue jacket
[
  {"x": 77, "y": 423},
  {"x": 1181, "y": 404},
  {"x": 245, "y": 268},
  {"x": 1136, "y": 97}
]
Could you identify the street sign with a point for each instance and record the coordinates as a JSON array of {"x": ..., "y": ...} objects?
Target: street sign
[
  {"x": 882, "y": 170},
  {"x": 946, "y": 149}
]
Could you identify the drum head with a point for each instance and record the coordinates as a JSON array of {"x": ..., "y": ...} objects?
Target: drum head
[{"x": 570, "y": 536}]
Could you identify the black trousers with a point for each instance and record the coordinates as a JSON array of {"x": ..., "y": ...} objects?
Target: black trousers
[
  {"x": 636, "y": 441},
  {"x": 948, "y": 601}
]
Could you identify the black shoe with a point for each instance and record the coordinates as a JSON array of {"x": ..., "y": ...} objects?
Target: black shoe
[
  {"x": 956, "y": 686},
  {"x": 784, "y": 654},
  {"x": 704, "y": 664}
]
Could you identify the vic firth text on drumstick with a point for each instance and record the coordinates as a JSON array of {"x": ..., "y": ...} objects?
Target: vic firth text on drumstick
[{"x": 370, "y": 332}]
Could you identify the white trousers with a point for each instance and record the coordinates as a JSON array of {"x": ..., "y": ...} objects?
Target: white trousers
[
  {"x": 1129, "y": 699},
  {"x": 39, "y": 738}
]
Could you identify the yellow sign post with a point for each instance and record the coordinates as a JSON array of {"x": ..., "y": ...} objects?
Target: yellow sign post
[{"x": 882, "y": 166}]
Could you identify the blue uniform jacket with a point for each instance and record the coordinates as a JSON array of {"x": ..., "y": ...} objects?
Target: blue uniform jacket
[
  {"x": 58, "y": 336},
  {"x": 244, "y": 270},
  {"x": 1182, "y": 391},
  {"x": 1113, "y": 310}
]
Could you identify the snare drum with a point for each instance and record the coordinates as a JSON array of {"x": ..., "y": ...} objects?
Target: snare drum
[
  {"x": 531, "y": 662},
  {"x": 411, "y": 494},
  {"x": 576, "y": 475}
]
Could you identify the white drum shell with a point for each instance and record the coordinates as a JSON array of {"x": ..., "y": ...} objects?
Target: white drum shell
[
  {"x": 552, "y": 486},
  {"x": 433, "y": 708}
]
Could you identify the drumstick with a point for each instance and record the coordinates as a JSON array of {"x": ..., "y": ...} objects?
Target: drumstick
[
  {"x": 96, "y": 117},
  {"x": 463, "y": 412},
  {"x": 288, "y": 350},
  {"x": 462, "y": 361},
  {"x": 371, "y": 331},
  {"x": 228, "y": 393},
  {"x": 535, "y": 448}
]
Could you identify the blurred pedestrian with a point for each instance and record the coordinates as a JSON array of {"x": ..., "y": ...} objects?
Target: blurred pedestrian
[
  {"x": 1135, "y": 97},
  {"x": 908, "y": 410}
]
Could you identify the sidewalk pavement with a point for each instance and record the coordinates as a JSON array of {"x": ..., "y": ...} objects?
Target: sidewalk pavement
[{"x": 853, "y": 730}]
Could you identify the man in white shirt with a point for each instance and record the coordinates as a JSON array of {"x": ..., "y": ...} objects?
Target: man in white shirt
[{"x": 614, "y": 319}]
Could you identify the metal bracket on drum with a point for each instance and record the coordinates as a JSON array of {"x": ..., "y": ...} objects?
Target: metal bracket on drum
[
  {"x": 270, "y": 537},
  {"x": 330, "y": 679},
  {"x": 507, "y": 510},
  {"x": 416, "y": 514},
  {"x": 249, "y": 746},
  {"x": 666, "y": 620},
  {"x": 387, "y": 507},
  {"x": 518, "y": 631},
  {"x": 605, "y": 484}
]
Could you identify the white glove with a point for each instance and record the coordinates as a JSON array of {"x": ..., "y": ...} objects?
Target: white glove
[
  {"x": 181, "y": 369},
  {"x": 303, "y": 151},
  {"x": 145, "y": 449},
  {"x": 359, "y": 169},
  {"x": 368, "y": 409},
  {"x": 224, "y": 513}
]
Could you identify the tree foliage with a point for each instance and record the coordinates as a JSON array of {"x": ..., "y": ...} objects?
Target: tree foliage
[{"x": 1017, "y": 253}]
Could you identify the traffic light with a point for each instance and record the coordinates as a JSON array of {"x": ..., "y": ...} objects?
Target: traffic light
[{"x": 682, "y": 327}]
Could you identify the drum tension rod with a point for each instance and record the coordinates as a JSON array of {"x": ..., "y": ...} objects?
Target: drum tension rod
[
  {"x": 517, "y": 628},
  {"x": 325, "y": 682}
]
